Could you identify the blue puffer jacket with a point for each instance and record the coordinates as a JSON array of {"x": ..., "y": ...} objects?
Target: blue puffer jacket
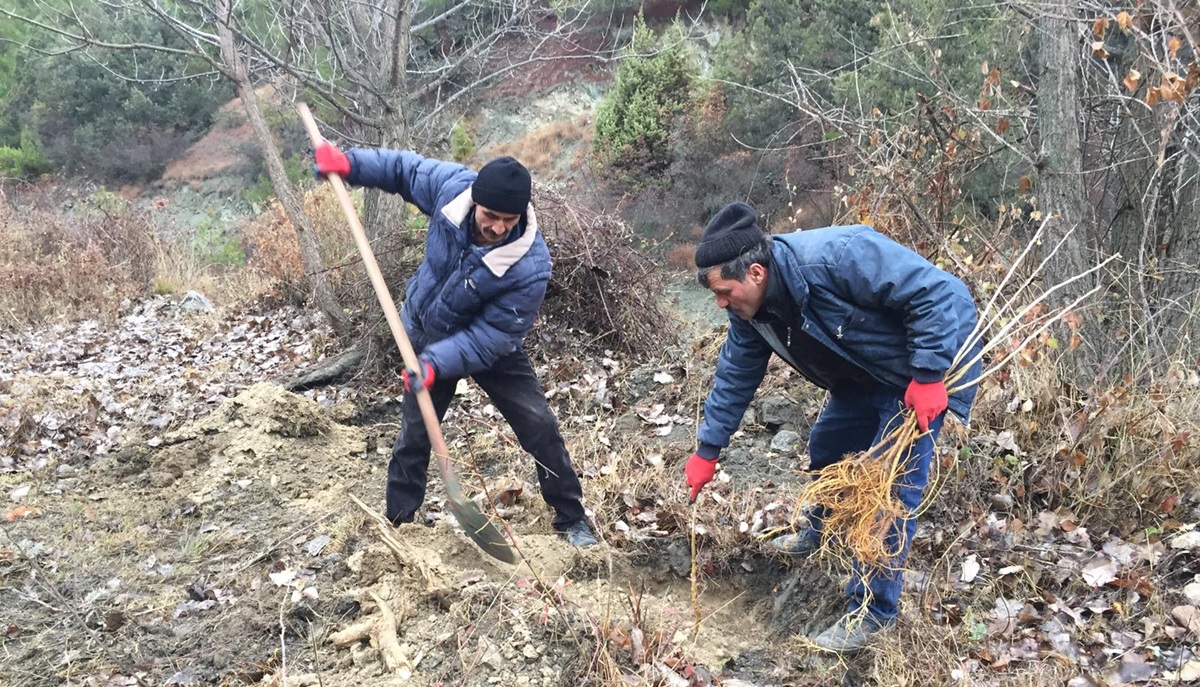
[
  {"x": 873, "y": 302},
  {"x": 467, "y": 306}
]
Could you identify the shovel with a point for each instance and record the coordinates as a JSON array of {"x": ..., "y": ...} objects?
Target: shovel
[{"x": 477, "y": 525}]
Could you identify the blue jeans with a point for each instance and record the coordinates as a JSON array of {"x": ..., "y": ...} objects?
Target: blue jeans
[{"x": 852, "y": 421}]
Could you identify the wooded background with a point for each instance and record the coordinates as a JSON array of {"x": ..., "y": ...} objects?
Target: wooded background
[{"x": 956, "y": 127}]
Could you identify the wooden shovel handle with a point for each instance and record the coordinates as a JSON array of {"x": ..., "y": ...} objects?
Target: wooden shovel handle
[{"x": 432, "y": 427}]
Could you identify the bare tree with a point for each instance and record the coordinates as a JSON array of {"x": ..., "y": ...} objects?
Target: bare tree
[
  {"x": 390, "y": 71},
  {"x": 310, "y": 252},
  {"x": 1141, "y": 168}
]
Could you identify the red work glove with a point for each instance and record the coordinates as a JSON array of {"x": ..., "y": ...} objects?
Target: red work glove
[
  {"x": 330, "y": 160},
  {"x": 414, "y": 380},
  {"x": 699, "y": 472},
  {"x": 927, "y": 401}
]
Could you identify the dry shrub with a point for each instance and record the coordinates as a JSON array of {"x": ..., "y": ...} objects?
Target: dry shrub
[
  {"x": 275, "y": 252},
  {"x": 682, "y": 256},
  {"x": 1125, "y": 453},
  {"x": 176, "y": 270},
  {"x": 274, "y": 249},
  {"x": 602, "y": 286},
  {"x": 54, "y": 265},
  {"x": 542, "y": 150}
]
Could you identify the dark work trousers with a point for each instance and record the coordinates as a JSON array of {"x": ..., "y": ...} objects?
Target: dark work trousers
[
  {"x": 515, "y": 391},
  {"x": 854, "y": 420}
]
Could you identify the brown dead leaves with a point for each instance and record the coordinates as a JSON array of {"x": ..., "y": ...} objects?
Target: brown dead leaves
[{"x": 21, "y": 512}]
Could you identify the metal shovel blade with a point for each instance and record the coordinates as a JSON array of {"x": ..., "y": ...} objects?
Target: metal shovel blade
[{"x": 481, "y": 530}]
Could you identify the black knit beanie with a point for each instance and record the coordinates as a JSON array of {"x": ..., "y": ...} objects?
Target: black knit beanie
[
  {"x": 731, "y": 232},
  {"x": 503, "y": 185}
]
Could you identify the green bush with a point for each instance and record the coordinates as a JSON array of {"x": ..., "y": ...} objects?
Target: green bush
[
  {"x": 634, "y": 121},
  {"x": 298, "y": 169},
  {"x": 214, "y": 246},
  {"x": 92, "y": 121},
  {"x": 25, "y": 162},
  {"x": 461, "y": 145}
]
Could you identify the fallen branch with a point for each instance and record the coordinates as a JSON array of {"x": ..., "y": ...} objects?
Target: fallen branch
[{"x": 333, "y": 369}]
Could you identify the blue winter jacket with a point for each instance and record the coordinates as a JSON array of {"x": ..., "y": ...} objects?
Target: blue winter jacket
[
  {"x": 467, "y": 306},
  {"x": 873, "y": 302}
]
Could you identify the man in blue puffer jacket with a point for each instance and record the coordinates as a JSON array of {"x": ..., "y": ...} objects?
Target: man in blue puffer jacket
[
  {"x": 467, "y": 311},
  {"x": 861, "y": 316}
]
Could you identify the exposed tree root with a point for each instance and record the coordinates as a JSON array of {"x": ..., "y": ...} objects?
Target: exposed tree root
[
  {"x": 353, "y": 634},
  {"x": 337, "y": 368},
  {"x": 383, "y": 636}
]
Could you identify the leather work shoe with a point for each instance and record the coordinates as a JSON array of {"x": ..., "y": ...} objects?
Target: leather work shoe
[
  {"x": 800, "y": 544},
  {"x": 579, "y": 535},
  {"x": 849, "y": 634}
]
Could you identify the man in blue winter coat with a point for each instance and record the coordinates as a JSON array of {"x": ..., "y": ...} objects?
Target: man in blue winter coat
[
  {"x": 467, "y": 310},
  {"x": 857, "y": 314}
]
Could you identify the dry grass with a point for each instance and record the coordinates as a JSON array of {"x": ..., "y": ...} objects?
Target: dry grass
[
  {"x": 925, "y": 654},
  {"x": 54, "y": 266},
  {"x": 542, "y": 150},
  {"x": 68, "y": 266},
  {"x": 682, "y": 256}
]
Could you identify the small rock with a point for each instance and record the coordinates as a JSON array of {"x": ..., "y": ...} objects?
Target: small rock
[
  {"x": 194, "y": 300},
  {"x": 785, "y": 441},
  {"x": 1192, "y": 591},
  {"x": 530, "y": 652},
  {"x": 1188, "y": 540},
  {"x": 777, "y": 411},
  {"x": 493, "y": 659}
]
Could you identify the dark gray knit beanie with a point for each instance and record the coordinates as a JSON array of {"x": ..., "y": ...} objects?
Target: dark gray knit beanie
[
  {"x": 503, "y": 185},
  {"x": 731, "y": 232}
]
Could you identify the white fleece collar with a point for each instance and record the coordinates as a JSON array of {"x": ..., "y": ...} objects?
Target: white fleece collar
[{"x": 502, "y": 257}]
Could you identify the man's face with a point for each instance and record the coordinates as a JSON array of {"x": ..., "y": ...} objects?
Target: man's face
[
  {"x": 742, "y": 298},
  {"x": 491, "y": 227}
]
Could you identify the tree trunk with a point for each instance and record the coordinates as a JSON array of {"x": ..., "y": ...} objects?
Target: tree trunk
[
  {"x": 1177, "y": 252},
  {"x": 1060, "y": 182},
  {"x": 310, "y": 253},
  {"x": 384, "y": 212}
]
